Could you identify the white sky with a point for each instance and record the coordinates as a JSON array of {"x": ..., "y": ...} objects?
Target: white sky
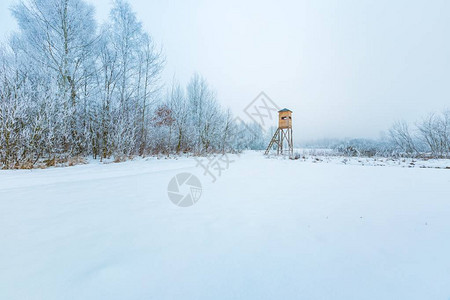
[{"x": 346, "y": 68}]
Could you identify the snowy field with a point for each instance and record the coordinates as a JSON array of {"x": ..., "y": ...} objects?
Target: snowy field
[{"x": 266, "y": 229}]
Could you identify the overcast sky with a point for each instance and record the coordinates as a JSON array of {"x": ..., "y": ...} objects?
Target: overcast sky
[{"x": 346, "y": 68}]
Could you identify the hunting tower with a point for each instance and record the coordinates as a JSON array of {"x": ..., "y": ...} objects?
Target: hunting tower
[{"x": 282, "y": 138}]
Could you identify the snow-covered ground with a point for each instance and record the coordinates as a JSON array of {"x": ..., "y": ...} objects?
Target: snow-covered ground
[{"x": 266, "y": 229}]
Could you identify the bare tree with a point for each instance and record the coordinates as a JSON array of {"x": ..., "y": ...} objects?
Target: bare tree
[
  {"x": 402, "y": 137},
  {"x": 435, "y": 131}
]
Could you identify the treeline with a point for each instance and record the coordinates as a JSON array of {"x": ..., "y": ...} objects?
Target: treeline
[
  {"x": 191, "y": 120},
  {"x": 428, "y": 138},
  {"x": 353, "y": 147},
  {"x": 71, "y": 88}
]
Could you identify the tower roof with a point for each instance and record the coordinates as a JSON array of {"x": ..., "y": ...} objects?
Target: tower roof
[{"x": 285, "y": 109}]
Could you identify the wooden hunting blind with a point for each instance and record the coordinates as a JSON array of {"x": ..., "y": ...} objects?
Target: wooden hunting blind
[
  {"x": 285, "y": 118},
  {"x": 282, "y": 139}
]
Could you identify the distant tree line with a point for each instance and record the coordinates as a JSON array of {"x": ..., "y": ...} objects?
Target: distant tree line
[
  {"x": 428, "y": 138},
  {"x": 71, "y": 88}
]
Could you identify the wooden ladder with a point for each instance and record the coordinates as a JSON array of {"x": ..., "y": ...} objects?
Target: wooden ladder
[{"x": 275, "y": 140}]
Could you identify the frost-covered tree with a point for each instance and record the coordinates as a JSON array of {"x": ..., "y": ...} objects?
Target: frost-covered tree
[
  {"x": 58, "y": 36},
  {"x": 71, "y": 88},
  {"x": 402, "y": 137},
  {"x": 435, "y": 132},
  {"x": 205, "y": 114}
]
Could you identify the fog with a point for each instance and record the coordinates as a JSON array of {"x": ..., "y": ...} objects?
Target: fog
[{"x": 345, "y": 68}]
